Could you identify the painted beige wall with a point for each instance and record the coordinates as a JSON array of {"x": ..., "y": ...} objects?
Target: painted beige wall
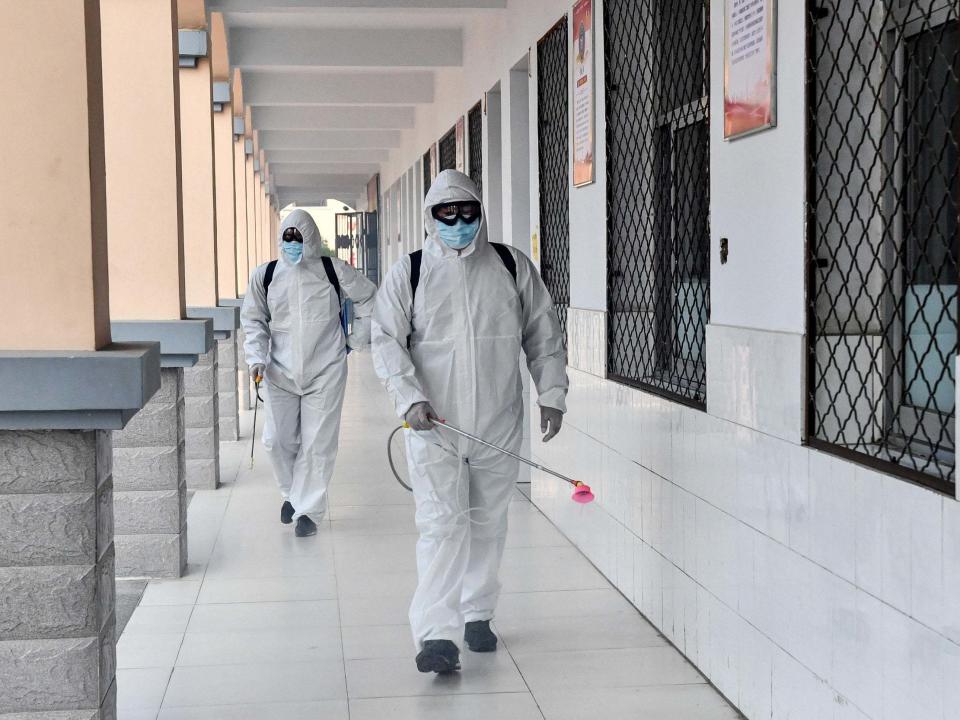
[
  {"x": 199, "y": 204},
  {"x": 141, "y": 108},
  {"x": 55, "y": 291}
]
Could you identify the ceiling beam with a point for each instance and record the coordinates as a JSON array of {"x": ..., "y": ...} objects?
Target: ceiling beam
[
  {"x": 320, "y": 168},
  {"x": 318, "y": 139},
  {"x": 317, "y": 180},
  {"x": 333, "y": 118},
  {"x": 330, "y": 155},
  {"x": 345, "y": 47},
  {"x": 338, "y": 88}
]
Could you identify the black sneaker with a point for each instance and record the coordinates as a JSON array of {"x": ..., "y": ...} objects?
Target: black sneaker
[
  {"x": 305, "y": 527},
  {"x": 479, "y": 637},
  {"x": 439, "y": 656},
  {"x": 286, "y": 512}
]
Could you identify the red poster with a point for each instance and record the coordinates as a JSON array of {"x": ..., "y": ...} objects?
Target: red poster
[{"x": 583, "y": 97}]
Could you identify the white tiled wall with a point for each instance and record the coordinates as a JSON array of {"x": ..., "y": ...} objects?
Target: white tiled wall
[{"x": 803, "y": 585}]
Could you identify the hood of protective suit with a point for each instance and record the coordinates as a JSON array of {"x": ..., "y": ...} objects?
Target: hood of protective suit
[
  {"x": 451, "y": 186},
  {"x": 312, "y": 244}
]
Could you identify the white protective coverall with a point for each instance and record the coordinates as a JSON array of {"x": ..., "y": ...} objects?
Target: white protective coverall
[
  {"x": 294, "y": 329},
  {"x": 466, "y": 326}
]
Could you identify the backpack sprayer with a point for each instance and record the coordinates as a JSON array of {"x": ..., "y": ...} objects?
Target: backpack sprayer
[{"x": 581, "y": 491}]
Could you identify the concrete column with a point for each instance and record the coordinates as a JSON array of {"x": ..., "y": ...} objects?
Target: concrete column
[
  {"x": 147, "y": 274},
  {"x": 240, "y": 182},
  {"x": 200, "y": 246},
  {"x": 196, "y": 146},
  {"x": 202, "y": 425},
  {"x": 150, "y": 498},
  {"x": 223, "y": 161},
  {"x": 252, "y": 249},
  {"x": 64, "y": 385}
]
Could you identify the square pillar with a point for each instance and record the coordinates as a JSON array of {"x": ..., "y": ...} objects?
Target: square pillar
[
  {"x": 57, "y": 643},
  {"x": 202, "y": 423},
  {"x": 150, "y": 489}
]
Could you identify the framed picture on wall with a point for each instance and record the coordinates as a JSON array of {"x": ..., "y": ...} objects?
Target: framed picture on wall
[
  {"x": 434, "y": 161},
  {"x": 749, "y": 67},
  {"x": 584, "y": 113}
]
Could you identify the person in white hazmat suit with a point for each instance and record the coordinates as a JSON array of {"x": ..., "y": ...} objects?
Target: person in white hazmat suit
[
  {"x": 448, "y": 329},
  {"x": 294, "y": 339}
]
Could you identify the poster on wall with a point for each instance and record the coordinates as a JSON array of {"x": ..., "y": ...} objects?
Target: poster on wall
[
  {"x": 434, "y": 161},
  {"x": 749, "y": 67},
  {"x": 583, "y": 97},
  {"x": 461, "y": 148}
]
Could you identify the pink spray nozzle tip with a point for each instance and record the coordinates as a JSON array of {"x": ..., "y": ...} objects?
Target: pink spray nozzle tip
[{"x": 582, "y": 494}]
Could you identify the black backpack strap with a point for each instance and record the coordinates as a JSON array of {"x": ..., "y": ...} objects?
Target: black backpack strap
[
  {"x": 509, "y": 261},
  {"x": 332, "y": 277},
  {"x": 416, "y": 258},
  {"x": 268, "y": 276}
]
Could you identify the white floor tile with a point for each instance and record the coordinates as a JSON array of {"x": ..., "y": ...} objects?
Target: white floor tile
[
  {"x": 171, "y": 592},
  {"x": 633, "y": 667},
  {"x": 321, "y": 710},
  {"x": 382, "y": 610},
  {"x": 242, "y": 590},
  {"x": 367, "y": 642},
  {"x": 486, "y": 673},
  {"x": 495, "y": 706},
  {"x": 140, "y": 650},
  {"x": 242, "y": 684},
  {"x": 260, "y": 626},
  {"x": 159, "y": 619},
  {"x": 562, "y": 603},
  {"x": 674, "y": 702},
  {"x": 235, "y": 647},
  {"x": 587, "y": 632},
  {"x": 291, "y": 616},
  {"x": 141, "y": 689}
]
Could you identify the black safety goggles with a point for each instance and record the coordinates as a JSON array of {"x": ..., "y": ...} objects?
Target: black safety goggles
[
  {"x": 291, "y": 234},
  {"x": 448, "y": 213}
]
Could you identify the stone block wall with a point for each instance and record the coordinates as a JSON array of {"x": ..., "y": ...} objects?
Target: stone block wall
[
  {"x": 57, "y": 622},
  {"x": 227, "y": 386},
  {"x": 150, "y": 486},
  {"x": 202, "y": 426}
]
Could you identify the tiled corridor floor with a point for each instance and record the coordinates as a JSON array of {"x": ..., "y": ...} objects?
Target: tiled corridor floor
[{"x": 269, "y": 626}]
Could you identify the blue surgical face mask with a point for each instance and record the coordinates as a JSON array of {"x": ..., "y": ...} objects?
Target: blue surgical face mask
[
  {"x": 460, "y": 235},
  {"x": 292, "y": 251}
]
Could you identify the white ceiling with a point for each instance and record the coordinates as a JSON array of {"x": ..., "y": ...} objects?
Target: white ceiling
[{"x": 332, "y": 83}]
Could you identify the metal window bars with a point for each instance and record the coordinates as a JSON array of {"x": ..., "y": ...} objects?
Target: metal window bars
[
  {"x": 448, "y": 150},
  {"x": 427, "y": 174},
  {"x": 553, "y": 144},
  {"x": 884, "y": 134},
  {"x": 475, "y": 139},
  {"x": 658, "y": 169}
]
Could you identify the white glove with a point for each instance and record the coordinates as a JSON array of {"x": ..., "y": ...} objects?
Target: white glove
[
  {"x": 359, "y": 338},
  {"x": 419, "y": 416},
  {"x": 550, "y": 421}
]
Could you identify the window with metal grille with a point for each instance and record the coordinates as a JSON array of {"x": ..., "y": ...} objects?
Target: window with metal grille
[
  {"x": 448, "y": 150},
  {"x": 475, "y": 131},
  {"x": 658, "y": 180},
  {"x": 553, "y": 144},
  {"x": 427, "y": 173},
  {"x": 884, "y": 125}
]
